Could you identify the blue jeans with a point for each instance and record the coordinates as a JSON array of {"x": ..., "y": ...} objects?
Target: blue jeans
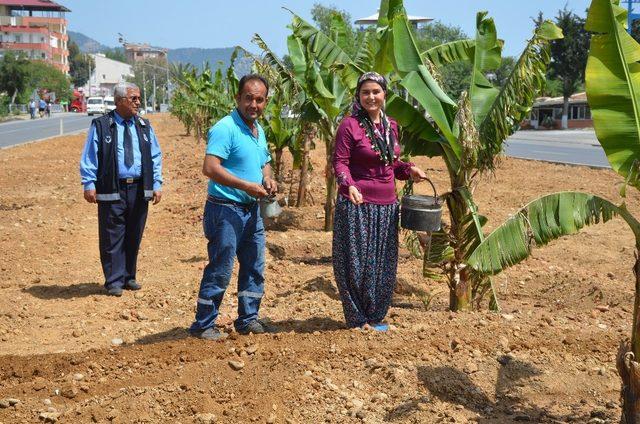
[{"x": 232, "y": 231}]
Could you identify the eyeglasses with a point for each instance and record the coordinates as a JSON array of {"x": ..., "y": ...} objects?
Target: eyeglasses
[{"x": 135, "y": 98}]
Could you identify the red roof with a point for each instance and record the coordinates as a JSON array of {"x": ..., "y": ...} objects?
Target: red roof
[{"x": 37, "y": 5}]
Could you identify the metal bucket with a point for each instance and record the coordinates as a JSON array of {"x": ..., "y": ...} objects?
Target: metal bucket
[
  {"x": 269, "y": 207},
  {"x": 421, "y": 213}
]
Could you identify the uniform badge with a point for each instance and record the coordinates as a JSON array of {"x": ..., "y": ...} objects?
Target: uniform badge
[{"x": 107, "y": 139}]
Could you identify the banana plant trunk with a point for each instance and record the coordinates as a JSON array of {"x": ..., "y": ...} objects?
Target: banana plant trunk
[
  {"x": 330, "y": 179},
  {"x": 278, "y": 167},
  {"x": 460, "y": 284},
  {"x": 304, "y": 168},
  {"x": 628, "y": 367}
]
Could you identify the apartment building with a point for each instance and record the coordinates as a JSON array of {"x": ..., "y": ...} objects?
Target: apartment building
[
  {"x": 36, "y": 28},
  {"x": 142, "y": 52}
]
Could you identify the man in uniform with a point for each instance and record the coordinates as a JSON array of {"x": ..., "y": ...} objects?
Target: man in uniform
[
  {"x": 237, "y": 164},
  {"x": 121, "y": 171}
]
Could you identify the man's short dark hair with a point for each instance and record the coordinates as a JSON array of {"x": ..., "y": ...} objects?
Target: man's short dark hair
[{"x": 251, "y": 77}]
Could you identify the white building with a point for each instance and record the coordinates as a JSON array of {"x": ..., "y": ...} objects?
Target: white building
[
  {"x": 105, "y": 75},
  {"x": 416, "y": 21}
]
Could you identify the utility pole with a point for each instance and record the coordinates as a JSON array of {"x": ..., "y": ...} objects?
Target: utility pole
[
  {"x": 166, "y": 91},
  {"x": 89, "y": 61},
  {"x": 144, "y": 87},
  {"x": 154, "y": 92}
]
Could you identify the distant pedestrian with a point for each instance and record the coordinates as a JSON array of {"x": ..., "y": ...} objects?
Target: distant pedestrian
[
  {"x": 32, "y": 109},
  {"x": 121, "y": 170},
  {"x": 48, "y": 109},
  {"x": 42, "y": 105},
  {"x": 237, "y": 164}
]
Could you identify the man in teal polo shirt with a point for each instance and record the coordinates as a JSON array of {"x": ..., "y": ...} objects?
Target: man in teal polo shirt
[{"x": 237, "y": 164}]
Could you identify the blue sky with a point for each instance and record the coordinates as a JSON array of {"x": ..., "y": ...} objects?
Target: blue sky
[{"x": 216, "y": 23}]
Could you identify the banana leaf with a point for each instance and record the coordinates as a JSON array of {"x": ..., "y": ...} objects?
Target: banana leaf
[
  {"x": 513, "y": 102},
  {"x": 418, "y": 136},
  {"x": 541, "y": 221},
  {"x": 324, "y": 50},
  {"x": 487, "y": 57},
  {"x": 455, "y": 51},
  {"x": 613, "y": 87}
]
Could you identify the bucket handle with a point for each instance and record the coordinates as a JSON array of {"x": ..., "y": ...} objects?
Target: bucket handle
[{"x": 435, "y": 193}]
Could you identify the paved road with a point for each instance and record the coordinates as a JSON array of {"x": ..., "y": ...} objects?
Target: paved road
[
  {"x": 578, "y": 147},
  {"x": 18, "y": 132}
]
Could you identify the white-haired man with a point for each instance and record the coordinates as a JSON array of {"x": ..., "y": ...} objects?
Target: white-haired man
[{"x": 121, "y": 171}]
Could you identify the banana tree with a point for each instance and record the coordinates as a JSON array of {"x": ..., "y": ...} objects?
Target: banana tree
[
  {"x": 205, "y": 97},
  {"x": 325, "y": 97},
  {"x": 281, "y": 130},
  {"x": 467, "y": 133},
  {"x": 613, "y": 92}
]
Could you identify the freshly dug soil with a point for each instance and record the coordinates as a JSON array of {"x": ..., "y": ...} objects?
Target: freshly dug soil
[{"x": 69, "y": 353}]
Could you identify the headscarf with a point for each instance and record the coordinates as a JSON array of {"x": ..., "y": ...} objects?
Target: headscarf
[{"x": 381, "y": 142}]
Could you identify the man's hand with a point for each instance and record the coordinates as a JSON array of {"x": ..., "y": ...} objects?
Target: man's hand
[
  {"x": 90, "y": 196},
  {"x": 354, "y": 195},
  {"x": 157, "y": 195},
  {"x": 270, "y": 185},
  {"x": 256, "y": 190}
]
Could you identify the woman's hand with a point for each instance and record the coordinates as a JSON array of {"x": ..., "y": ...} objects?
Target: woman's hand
[
  {"x": 354, "y": 195},
  {"x": 417, "y": 174}
]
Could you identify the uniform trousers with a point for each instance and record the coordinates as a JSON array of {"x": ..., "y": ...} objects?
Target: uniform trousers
[{"x": 120, "y": 225}]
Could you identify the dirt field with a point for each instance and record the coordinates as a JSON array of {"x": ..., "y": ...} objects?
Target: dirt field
[{"x": 69, "y": 353}]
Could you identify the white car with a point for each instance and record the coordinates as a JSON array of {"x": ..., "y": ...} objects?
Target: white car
[
  {"x": 109, "y": 104},
  {"x": 96, "y": 105}
]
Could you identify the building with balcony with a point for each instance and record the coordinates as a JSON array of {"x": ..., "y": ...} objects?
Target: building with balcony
[
  {"x": 143, "y": 52},
  {"x": 37, "y": 29}
]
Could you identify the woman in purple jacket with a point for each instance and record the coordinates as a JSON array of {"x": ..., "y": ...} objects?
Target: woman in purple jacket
[{"x": 365, "y": 233}]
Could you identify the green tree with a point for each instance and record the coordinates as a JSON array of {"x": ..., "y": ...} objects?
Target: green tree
[
  {"x": 79, "y": 65},
  {"x": 14, "y": 74},
  {"x": 569, "y": 56},
  {"x": 48, "y": 79},
  {"x": 116, "y": 53},
  {"x": 324, "y": 17}
]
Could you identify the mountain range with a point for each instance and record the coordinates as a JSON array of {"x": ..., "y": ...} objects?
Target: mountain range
[{"x": 195, "y": 56}]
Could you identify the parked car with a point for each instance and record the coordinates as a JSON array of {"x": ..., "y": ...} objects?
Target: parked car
[
  {"x": 109, "y": 104},
  {"x": 96, "y": 105}
]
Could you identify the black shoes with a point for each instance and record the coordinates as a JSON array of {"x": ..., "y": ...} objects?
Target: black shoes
[
  {"x": 129, "y": 285},
  {"x": 114, "y": 291},
  {"x": 132, "y": 285},
  {"x": 257, "y": 326},
  {"x": 209, "y": 334}
]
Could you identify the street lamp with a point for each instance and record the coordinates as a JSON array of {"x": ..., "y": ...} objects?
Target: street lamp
[{"x": 143, "y": 63}]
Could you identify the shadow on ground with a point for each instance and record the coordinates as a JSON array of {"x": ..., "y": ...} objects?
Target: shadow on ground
[
  {"x": 453, "y": 386},
  {"x": 73, "y": 291},
  {"x": 307, "y": 326}
]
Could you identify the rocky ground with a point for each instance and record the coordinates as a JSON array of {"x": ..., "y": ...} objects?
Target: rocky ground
[{"x": 71, "y": 354}]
